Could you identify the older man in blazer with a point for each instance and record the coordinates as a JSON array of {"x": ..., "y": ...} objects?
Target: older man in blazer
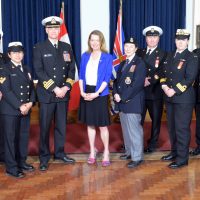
[{"x": 128, "y": 94}]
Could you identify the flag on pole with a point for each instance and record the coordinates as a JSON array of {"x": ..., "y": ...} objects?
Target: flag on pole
[
  {"x": 118, "y": 50},
  {"x": 75, "y": 92},
  {"x": 118, "y": 55},
  {"x": 64, "y": 37}
]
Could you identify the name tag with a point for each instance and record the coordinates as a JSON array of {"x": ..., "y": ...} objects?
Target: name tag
[
  {"x": 47, "y": 55},
  {"x": 13, "y": 74}
]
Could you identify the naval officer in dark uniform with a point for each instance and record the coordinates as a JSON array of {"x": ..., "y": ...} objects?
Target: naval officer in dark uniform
[
  {"x": 196, "y": 151},
  {"x": 128, "y": 92},
  {"x": 55, "y": 69},
  {"x": 17, "y": 99},
  {"x": 153, "y": 58},
  {"x": 180, "y": 71}
]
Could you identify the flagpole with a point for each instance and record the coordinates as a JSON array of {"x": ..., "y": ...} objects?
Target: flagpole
[
  {"x": 120, "y": 9},
  {"x": 63, "y": 10}
]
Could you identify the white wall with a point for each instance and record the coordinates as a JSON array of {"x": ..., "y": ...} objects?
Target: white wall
[
  {"x": 94, "y": 15},
  {"x": 192, "y": 19}
]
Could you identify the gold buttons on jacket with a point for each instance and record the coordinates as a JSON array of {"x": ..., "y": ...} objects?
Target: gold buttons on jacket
[
  {"x": 21, "y": 86},
  {"x": 54, "y": 76},
  {"x": 22, "y": 93}
]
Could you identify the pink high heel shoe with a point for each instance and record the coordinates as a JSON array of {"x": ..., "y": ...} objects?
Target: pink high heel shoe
[
  {"x": 92, "y": 161},
  {"x": 106, "y": 163}
]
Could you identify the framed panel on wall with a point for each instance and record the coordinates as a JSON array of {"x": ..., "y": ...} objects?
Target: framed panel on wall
[{"x": 198, "y": 36}]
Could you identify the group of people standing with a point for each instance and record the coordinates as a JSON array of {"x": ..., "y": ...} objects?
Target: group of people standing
[{"x": 142, "y": 80}]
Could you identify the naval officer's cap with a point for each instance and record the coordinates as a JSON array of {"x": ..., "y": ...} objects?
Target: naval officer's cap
[
  {"x": 52, "y": 21},
  {"x": 15, "y": 47},
  {"x": 152, "y": 31},
  {"x": 182, "y": 34}
]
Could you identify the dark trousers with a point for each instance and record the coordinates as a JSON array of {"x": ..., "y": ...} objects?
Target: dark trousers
[
  {"x": 16, "y": 136},
  {"x": 155, "y": 108},
  {"x": 1, "y": 141},
  {"x": 48, "y": 112},
  {"x": 178, "y": 120},
  {"x": 197, "y": 111}
]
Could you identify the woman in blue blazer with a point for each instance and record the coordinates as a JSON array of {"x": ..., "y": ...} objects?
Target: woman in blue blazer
[{"x": 95, "y": 74}]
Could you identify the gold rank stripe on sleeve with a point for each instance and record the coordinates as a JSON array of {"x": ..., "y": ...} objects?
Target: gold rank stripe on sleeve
[
  {"x": 70, "y": 81},
  {"x": 48, "y": 84},
  {"x": 182, "y": 88},
  {"x": 162, "y": 80},
  {"x": 2, "y": 79}
]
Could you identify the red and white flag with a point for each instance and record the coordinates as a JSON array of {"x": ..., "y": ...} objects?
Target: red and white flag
[
  {"x": 75, "y": 92},
  {"x": 64, "y": 37}
]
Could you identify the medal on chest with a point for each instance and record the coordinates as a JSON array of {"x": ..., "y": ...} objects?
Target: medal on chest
[
  {"x": 132, "y": 68},
  {"x": 157, "y": 61},
  {"x": 66, "y": 56},
  {"x": 180, "y": 64}
]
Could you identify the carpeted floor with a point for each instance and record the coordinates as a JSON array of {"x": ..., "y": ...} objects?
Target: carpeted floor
[{"x": 77, "y": 139}]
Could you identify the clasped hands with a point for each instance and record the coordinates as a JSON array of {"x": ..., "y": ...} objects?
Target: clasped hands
[
  {"x": 146, "y": 82},
  {"x": 24, "y": 108},
  {"x": 61, "y": 92},
  {"x": 117, "y": 98},
  {"x": 89, "y": 96},
  {"x": 169, "y": 91}
]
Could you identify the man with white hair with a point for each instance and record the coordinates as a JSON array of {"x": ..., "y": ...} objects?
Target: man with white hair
[{"x": 153, "y": 57}]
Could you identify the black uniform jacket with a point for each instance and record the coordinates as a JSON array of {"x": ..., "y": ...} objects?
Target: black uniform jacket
[
  {"x": 17, "y": 88},
  {"x": 129, "y": 84},
  {"x": 53, "y": 67},
  {"x": 197, "y": 81},
  {"x": 153, "y": 64},
  {"x": 179, "y": 74}
]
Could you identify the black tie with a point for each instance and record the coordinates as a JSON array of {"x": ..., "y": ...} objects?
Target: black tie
[
  {"x": 177, "y": 56},
  {"x": 20, "y": 67},
  {"x": 55, "y": 45},
  {"x": 148, "y": 53},
  {"x": 125, "y": 64}
]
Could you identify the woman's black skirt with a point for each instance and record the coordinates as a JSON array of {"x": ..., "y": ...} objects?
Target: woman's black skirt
[{"x": 95, "y": 112}]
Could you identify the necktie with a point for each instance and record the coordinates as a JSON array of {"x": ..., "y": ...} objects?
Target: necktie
[
  {"x": 177, "y": 55},
  {"x": 55, "y": 45},
  {"x": 125, "y": 64},
  {"x": 20, "y": 67},
  {"x": 149, "y": 52}
]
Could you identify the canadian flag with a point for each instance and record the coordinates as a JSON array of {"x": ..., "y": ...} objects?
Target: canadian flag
[{"x": 75, "y": 92}]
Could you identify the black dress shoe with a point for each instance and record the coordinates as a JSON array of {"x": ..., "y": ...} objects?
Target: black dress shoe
[
  {"x": 168, "y": 157},
  {"x": 133, "y": 164},
  {"x": 195, "y": 151},
  {"x": 66, "y": 160},
  {"x": 149, "y": 150},
  {"x": 175, "y": 165},
  {"x": 27, "y": 167},
  {"x": 125, "y": 157},
  {"x": 16, "y": 174},
  {"x": 43, "y": 167}
]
